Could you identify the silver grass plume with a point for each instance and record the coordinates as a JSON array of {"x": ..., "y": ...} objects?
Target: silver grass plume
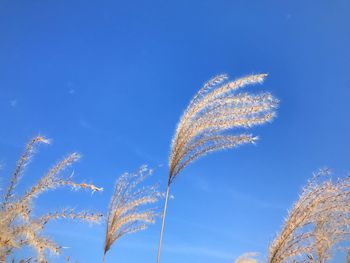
[
  {"x": 318, "y": 222},
  {"x": 250, "y": 257},
  {"x": 18, "y": 227},
  {"x": 205, "y": 126},
  {"x": 127, "y": 212}
]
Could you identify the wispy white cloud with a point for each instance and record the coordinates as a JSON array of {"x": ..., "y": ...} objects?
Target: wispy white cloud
[
  {"x": 250, "y": 199},
  {"x": 201, "y": 183},
  {"x": 71, "y": 90},
  {"x": 68, "y": 232},
  {"x": 193, "y": 250},
  {"x": 214, "y": 231},
  {"x": 85, "y": 124},
  {"x": 13, "y": 103},
  {"x": 116, "y": 139},
  {"x": 185, "y": 250}
]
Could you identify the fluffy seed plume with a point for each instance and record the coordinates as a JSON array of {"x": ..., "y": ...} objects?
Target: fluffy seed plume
[
  {"x": 205, "y": 126},
  {"x": 18, "y": 227},
  {"x": 249, "y": 257},
  {"x": 215, "y": 109},
  {"x": 317, "y": 223},
  {"x": 127, "y": 212}
]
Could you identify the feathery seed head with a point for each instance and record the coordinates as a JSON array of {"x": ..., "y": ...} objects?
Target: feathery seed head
[
  {"x": 213, "y": 112},
  {"x": 317, "y": 223},
  {"x": 18, "y": 227},
  {"x": 127, "y": 212}
]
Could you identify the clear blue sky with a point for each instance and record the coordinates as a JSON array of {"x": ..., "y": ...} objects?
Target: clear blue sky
[{"x": 110, "y": 79}]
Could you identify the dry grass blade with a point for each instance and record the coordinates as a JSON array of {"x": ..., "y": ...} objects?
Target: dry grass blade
[
  {"x": 317, "y": 223},
  {"x": 205, "y": 126},
  {"x": 18, "y": 227},
  {"x": 127, "y": 212}
]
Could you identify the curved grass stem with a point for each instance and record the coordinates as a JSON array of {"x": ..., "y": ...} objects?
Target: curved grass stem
[{"x": 163, "y": 222}]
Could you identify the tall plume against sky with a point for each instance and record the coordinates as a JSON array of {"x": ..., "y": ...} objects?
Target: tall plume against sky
[{"x": 206, "y": 124}]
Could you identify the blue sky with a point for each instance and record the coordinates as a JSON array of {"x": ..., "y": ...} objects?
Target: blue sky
[{"x": 110, "y": 79}]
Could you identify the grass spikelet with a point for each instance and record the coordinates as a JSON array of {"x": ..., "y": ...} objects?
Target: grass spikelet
[
  {"x": 21, "y": 164},
  {"x": 127, "y": 212},
  {"x": 317, "y": 223},
  {"x": 18, "y": 227},
  {"x": 205, "y": 126}
]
